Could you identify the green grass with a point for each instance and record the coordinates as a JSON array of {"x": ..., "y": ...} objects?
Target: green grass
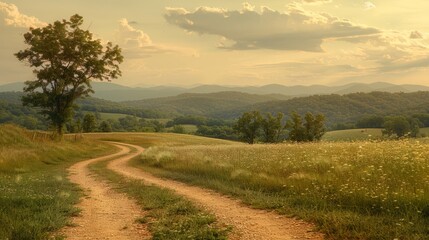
[
  {"x": 161, "y": 120},
  {"x": 114, "y": 116},
  {"x": 350, "y": 190},
  {"x": 424, "y": 132},
  {"x": 361, "y": 134},
  {"x": 36, "y": 198},
  {"x": 353, "y": 135},
  {"x": 188, "y": 128},
  {"x": 169, "y": 216},
  {"x": 106, "y": 116}
]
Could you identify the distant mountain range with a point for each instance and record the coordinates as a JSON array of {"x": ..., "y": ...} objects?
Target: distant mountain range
[{"x": 118, "y": 93}]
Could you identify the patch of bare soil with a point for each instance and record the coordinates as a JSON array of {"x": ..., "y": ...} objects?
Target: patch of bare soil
[
  {"x": 248, "y": 223},
  {"x": 106, "y": 214}
]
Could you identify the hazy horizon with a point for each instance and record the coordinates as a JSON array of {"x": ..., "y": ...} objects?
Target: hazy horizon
[{"x": 253, "y": 43}]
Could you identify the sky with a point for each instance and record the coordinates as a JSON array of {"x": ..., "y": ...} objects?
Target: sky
[{"x": 224, "y": 42}]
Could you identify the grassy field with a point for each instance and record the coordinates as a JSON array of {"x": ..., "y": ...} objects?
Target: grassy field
[
  {"x": 361, "y": 134},
  {"x": 36, "y": 198},
  {"x": 114, "y": 116},
  {"x": 353, "y": 135},
  {"x": 351, "y": 190},
  {"x": 188, "y": 128},
  {"x": 158, "y": 139}
]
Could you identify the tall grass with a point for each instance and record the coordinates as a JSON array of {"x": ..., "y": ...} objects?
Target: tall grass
[
  {"x": 36, "y": 198},
  {"x": 359, "y": 190}
]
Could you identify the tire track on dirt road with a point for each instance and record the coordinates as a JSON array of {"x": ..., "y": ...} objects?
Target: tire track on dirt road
[
  {"x": 248, "y": 223},
  {"x": 106, "y": 214}
]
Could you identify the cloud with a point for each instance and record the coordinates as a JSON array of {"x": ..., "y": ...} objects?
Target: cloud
[
  {"x": 316, "y": 1},
  {"x": 369, "y": 5},
  {"x": 296, "y": 29},
  {"x": 137, "y": 44},
  {"x": 14, "y": 18},
  {"x": 392, "y": 51},
  {"x": 418, "y": 63},
  {"x": 130, "y": 37},
  {"x": 416, "y": 35}
]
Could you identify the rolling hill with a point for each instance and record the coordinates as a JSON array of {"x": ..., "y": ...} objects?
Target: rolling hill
[
  {"x": 203, "y": 104},
  {"x": 229, "y": 105},
  {"x": 115, "y": 92},
  {"x": 343, "y": 108}
]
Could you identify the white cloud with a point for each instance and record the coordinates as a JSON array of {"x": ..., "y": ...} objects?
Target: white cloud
[
  {"x": 14, "y": 18},
  {"x": 392, "y": 51},
  {"x": 369, "y": 5},
  {"x": 316, "y": 1},
  {"x": 296, "y": 29},
  {"x": 130, "y": 37},
  {"x": 408, "y": 65},
  {"x": 137, "y": 44}
]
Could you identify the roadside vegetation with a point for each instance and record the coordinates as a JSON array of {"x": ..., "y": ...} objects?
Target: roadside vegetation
[
  {"x": 351, "y": 190},
  {"x": 36, "y": 198}
]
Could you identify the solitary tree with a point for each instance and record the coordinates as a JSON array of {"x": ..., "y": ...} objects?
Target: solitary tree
[
  {"x": 248, "y": 126},
  {"x": 65, "y": 59}
]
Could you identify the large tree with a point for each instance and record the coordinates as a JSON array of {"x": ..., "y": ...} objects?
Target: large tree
[
  {"x": 272, "y": 127},
  {"x": 311, "y": 130},
  {"x": 248, "y": 126},
  {"x": 65, "y": 59},
  {"x": 296, "y": 128}
]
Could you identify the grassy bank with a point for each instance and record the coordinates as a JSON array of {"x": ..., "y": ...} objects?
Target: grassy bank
[
  {"x": 169, "y": 216},
  {"x": 358, "y": 190},
  {"x": 36, "y": 198}
]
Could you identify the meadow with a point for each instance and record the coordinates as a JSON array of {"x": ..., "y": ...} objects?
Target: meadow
[
  {"x": 353, "y": 135},
  {"x": 363, "y": 134},
  {"x": 350, "y": 190},
  {"x": 36, "y": 198},
  {"x": 158, "y": 139}
]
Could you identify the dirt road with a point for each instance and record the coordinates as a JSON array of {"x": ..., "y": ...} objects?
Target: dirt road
[
  {"x": 247, "y": 223},
  {"x": 105, "y": 214}
]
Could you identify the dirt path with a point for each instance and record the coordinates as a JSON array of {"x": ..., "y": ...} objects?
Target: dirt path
[
  {"x": 105, "y": 214},
  {"x": 248, "y": 223}
]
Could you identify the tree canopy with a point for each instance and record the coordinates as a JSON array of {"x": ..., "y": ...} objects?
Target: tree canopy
[
  {"x": 65, "y": 59},
  {"x": 248, "y": 126}
]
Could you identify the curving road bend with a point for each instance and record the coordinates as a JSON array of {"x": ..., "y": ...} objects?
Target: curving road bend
[{"x": 248, "y": 223}]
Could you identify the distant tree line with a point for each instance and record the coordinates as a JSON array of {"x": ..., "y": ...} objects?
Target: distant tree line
[
  {"x": 253, "y": 126},
  {"x": 395, "y": 125},
  {"x": 92, "y": 122}
]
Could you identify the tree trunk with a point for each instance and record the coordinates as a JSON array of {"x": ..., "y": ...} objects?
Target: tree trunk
[{"x": 60, "y": 131}]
